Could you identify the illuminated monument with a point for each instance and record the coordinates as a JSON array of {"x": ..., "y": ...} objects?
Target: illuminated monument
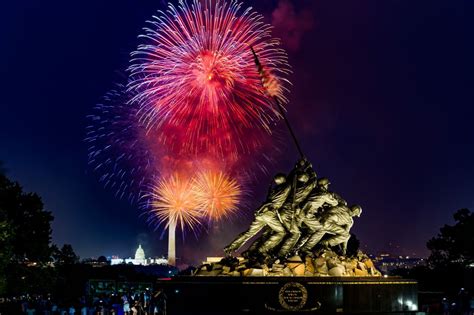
[
  {"x": 303, "y": 229},
  {"x": 140, "y": 255},
  {"x": 299, "y": 261}
]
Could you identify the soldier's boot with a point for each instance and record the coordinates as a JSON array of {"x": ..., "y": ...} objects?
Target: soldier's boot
[
  {"x": 313, "y": 240},
  {"x": 306, "y": 253},
  {"x": 325, "y": 245},
  {"x": 290, "y": 243},
  {"x": 299, "y": 246},
  {"x": 344, "y": 248}
]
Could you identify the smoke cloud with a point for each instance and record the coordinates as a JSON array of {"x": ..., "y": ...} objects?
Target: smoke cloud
[{"x": 291, "y": 24}]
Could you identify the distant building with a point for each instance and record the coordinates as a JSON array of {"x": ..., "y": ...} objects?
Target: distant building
[
  {"x": 386, "y": 262},
  {"x": 140, "y": 259}
]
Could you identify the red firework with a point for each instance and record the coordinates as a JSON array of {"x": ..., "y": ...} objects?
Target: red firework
[{"x": 196, "y": 83}]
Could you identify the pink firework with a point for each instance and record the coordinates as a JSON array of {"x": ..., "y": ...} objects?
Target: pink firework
[{"x": 196, "y": 82}]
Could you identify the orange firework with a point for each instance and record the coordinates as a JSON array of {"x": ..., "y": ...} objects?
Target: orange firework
[
  {"x": 216, "y": 194},
  {"x": 173, "y": 202}
]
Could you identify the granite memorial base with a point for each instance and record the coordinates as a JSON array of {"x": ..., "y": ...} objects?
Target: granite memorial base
[{"x": 280, "y": 295}]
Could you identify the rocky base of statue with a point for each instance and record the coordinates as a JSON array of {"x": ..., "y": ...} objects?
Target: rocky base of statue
[{"x": 325, "y": 263}]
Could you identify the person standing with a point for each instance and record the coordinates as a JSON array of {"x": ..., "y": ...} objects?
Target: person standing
[{"x": 126, "y": 304}]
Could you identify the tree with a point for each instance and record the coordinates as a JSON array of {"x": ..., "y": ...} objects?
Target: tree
[
  {"x": 5, "y": 250},
  {"x": 452, "y": 251},
  {"x": 6, "y": 236},
  {"x": 102, "y": 260},
  {"x": 3, "y": 171},
  {"x": 65, "y": 255},
  {"x": 455, "y": 243},
  {"x": 25, "y": 236},
  {"x": 29, "y": 223}
]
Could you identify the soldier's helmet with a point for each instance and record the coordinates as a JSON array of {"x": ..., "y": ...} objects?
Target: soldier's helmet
[
  {"x": 356, "y": 210},
  {"x": 303, "y": 164},
  {"x": 279, "y": 178},
  {"x": 303, "y": 178},
  {"x": 323, "y": 182}
]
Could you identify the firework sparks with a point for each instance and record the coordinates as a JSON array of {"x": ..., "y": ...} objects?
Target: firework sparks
[
  {"x": 118, "y": 149},
  {"x": 193, "y": 112},
  {"x": 173, "y": 203},
  {"x": 217, "y": 194},
  {"x": 194, "y": 77}
]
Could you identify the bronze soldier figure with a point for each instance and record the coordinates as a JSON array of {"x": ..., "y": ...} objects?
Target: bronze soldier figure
[
  {"x": 267, "y": 215},
  {"x": 305, "y": 182},
  {"x": 337, "y": 222},
  {"x": 310, "y": 215}
]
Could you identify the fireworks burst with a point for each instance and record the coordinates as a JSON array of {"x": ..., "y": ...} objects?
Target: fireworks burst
[
  {"x": 194, "y": 111},
  {"x": 217, "y": 194},
  {"x": 173, "y": 203},
  {"x": 194, "y": 77},
  {"x": 118, "y": 152}
]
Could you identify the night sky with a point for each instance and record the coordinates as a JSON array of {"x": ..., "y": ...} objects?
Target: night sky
[{"x": 382, "y": 103}]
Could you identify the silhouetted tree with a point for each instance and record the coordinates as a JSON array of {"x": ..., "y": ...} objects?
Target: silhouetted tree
[
  {"x": 102, "y": 260},
  {"x": 25, "y": 235},
  {"x": 65, "y": 255},
  {"x": 30, "y": 224},
  {"x": 455, "y": 243},
  {"x": 3, "y": 171},
  {"x": 451, "y": 252},
  {"x": 6, "y": 236},
  {"x": 5, "y": 245}
]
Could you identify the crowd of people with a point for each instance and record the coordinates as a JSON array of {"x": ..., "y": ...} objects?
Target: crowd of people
[
  {"x": 463, "y": 304},
  {"x": 131, "y": 303}
]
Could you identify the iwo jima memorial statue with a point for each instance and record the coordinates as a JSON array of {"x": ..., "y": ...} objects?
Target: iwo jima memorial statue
[{"x": 299, "y": 261}]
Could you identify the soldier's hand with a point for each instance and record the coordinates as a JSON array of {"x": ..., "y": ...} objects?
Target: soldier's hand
[{"x": 228, "y": 250}]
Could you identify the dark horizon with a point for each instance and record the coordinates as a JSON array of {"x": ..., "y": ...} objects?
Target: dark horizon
[{"x": 381, "y": 102}]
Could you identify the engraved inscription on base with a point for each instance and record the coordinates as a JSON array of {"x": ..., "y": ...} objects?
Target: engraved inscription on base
[{"x": 293, "y": 296}]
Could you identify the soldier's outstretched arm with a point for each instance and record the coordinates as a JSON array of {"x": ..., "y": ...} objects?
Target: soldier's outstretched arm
[{"x": 261, "y": 209}]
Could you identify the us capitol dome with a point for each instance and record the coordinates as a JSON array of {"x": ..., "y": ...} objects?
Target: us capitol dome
[
  {"x": 140, "y": 254},
  {"x": 140, "y": 259}
]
